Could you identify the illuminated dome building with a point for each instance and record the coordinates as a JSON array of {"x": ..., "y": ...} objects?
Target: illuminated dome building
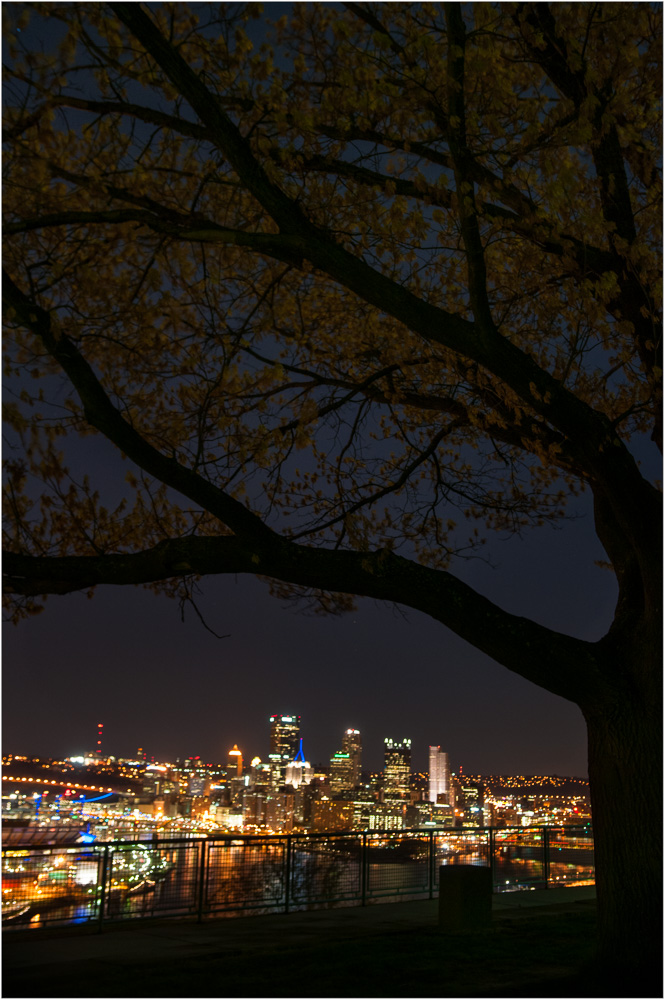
[{"x": 299, "y": 771}]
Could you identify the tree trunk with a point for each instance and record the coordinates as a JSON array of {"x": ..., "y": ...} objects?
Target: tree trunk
[{"x": 625, "y": 776}]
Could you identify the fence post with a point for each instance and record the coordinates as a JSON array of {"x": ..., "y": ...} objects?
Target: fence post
[
  {"x": 203, "y": 877},
  {"x": 546, "y": 856},
  {"x": 287, "y": 878},
  {"x": 363, "y": 870},
  {"x": 104, "y": 879},
  {"x": 431, "y": 864}
]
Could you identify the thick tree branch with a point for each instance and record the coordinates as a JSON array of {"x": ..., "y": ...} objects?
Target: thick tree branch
[
  {"x": 635, "y": 303},
  {"x": 589, "y": 259},
  {"x": 226, "y": 135},
  {"x": 291, "y": 250},
  {"x": 552, "y": 55},
  {"x": 537, "y": 653},
  {"x": 466, "y": 199},
  {"x": 193, "y": 229},
  {"x": 590, "y": 430},
  {"x": 148, "y": 115}
]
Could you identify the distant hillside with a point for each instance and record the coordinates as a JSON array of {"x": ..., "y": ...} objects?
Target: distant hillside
[
  {"x": 539, "y": 784},
  {"x": 46, "y": 769}
]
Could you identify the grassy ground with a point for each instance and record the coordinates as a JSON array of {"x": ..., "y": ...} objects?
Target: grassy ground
[{"x": 546, "y": 955}]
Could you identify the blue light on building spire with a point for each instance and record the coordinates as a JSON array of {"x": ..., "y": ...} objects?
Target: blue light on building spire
[{"x": 300, "y": 755}]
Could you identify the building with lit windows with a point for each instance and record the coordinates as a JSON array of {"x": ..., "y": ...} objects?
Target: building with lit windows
[
  {"x": 284, "y": 744},
  {"x": 440, "y": 785},
  {"x": 258, "y": 775},
  {"x": 352, "y": 744},
  {"x": 253, "y": 809},
  {"x": 198, "y": 787},
  {"x": 397, "y": 769},
  {"x": 279, "y": 812},
  {"x": 385, "y": 816},
  {"x": 327, "y": 815},
  {"x": 470, "y": 799},
  {"x": 341, "y": 773},
  {"x": 234, "y": 763}
]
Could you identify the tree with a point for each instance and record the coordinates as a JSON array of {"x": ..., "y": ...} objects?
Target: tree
[{"x": 327, "y": 297}]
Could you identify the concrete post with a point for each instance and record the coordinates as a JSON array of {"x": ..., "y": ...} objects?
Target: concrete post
[{"x": 465, "y": 897}]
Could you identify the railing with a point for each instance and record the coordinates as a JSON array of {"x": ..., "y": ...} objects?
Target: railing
[{"x": 229, "y": 875}]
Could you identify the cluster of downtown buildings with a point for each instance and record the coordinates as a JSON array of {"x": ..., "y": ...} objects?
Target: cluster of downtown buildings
[{"x": 286, "y": 793}]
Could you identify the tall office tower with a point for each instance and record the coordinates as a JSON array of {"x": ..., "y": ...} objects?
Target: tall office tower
[
  {"x": 234, "y": 763},
  {"x": 440, "y": 786},
  {"x": 352, "y": 744},
  {"x": 284, "y": 743},
  {"x": 341, "y": 772},
  {"x": 397, "y": 770}
]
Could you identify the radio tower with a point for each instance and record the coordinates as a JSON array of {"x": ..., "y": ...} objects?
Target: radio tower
[{"x": 100, "y": 726}]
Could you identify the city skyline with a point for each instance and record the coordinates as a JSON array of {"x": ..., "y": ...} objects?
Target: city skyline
[{"x": 192, "y": 794}]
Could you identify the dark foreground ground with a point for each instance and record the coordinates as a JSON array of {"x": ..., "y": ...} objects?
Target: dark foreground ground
[{"x": 539, "y": 945}]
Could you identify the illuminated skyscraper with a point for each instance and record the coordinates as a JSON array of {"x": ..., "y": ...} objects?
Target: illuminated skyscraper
[
  {"x": 341, "y": 772},
  {"x": 352, "y": 744},
  {"x": 284, "y": 744},
  {"x": 397, "y": 770},
  {"x": 345, "y": 764},
  {"x": 234, "y": 763},
  {"x": 439, "y": 775}
]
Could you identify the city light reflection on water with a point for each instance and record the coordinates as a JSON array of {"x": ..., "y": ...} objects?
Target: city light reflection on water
[{"x": 270, "y": 874}]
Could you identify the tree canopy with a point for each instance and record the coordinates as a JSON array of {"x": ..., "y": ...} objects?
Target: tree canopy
[{"x": 343, "y": 290}]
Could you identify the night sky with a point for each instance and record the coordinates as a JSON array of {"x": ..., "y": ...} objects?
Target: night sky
[{"x": 125, "y": 659}]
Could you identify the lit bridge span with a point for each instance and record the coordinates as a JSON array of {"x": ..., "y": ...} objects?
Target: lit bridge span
[{"x": 54, "y": 783}]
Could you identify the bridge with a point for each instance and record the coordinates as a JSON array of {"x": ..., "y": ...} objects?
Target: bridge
[{"x": 54, "y": 783}]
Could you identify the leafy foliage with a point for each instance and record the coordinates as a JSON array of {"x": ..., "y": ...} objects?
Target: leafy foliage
[{"x": 377, "y": 279}]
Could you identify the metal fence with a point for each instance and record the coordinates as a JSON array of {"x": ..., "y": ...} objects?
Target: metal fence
[{"x": 230, "y": 875}]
